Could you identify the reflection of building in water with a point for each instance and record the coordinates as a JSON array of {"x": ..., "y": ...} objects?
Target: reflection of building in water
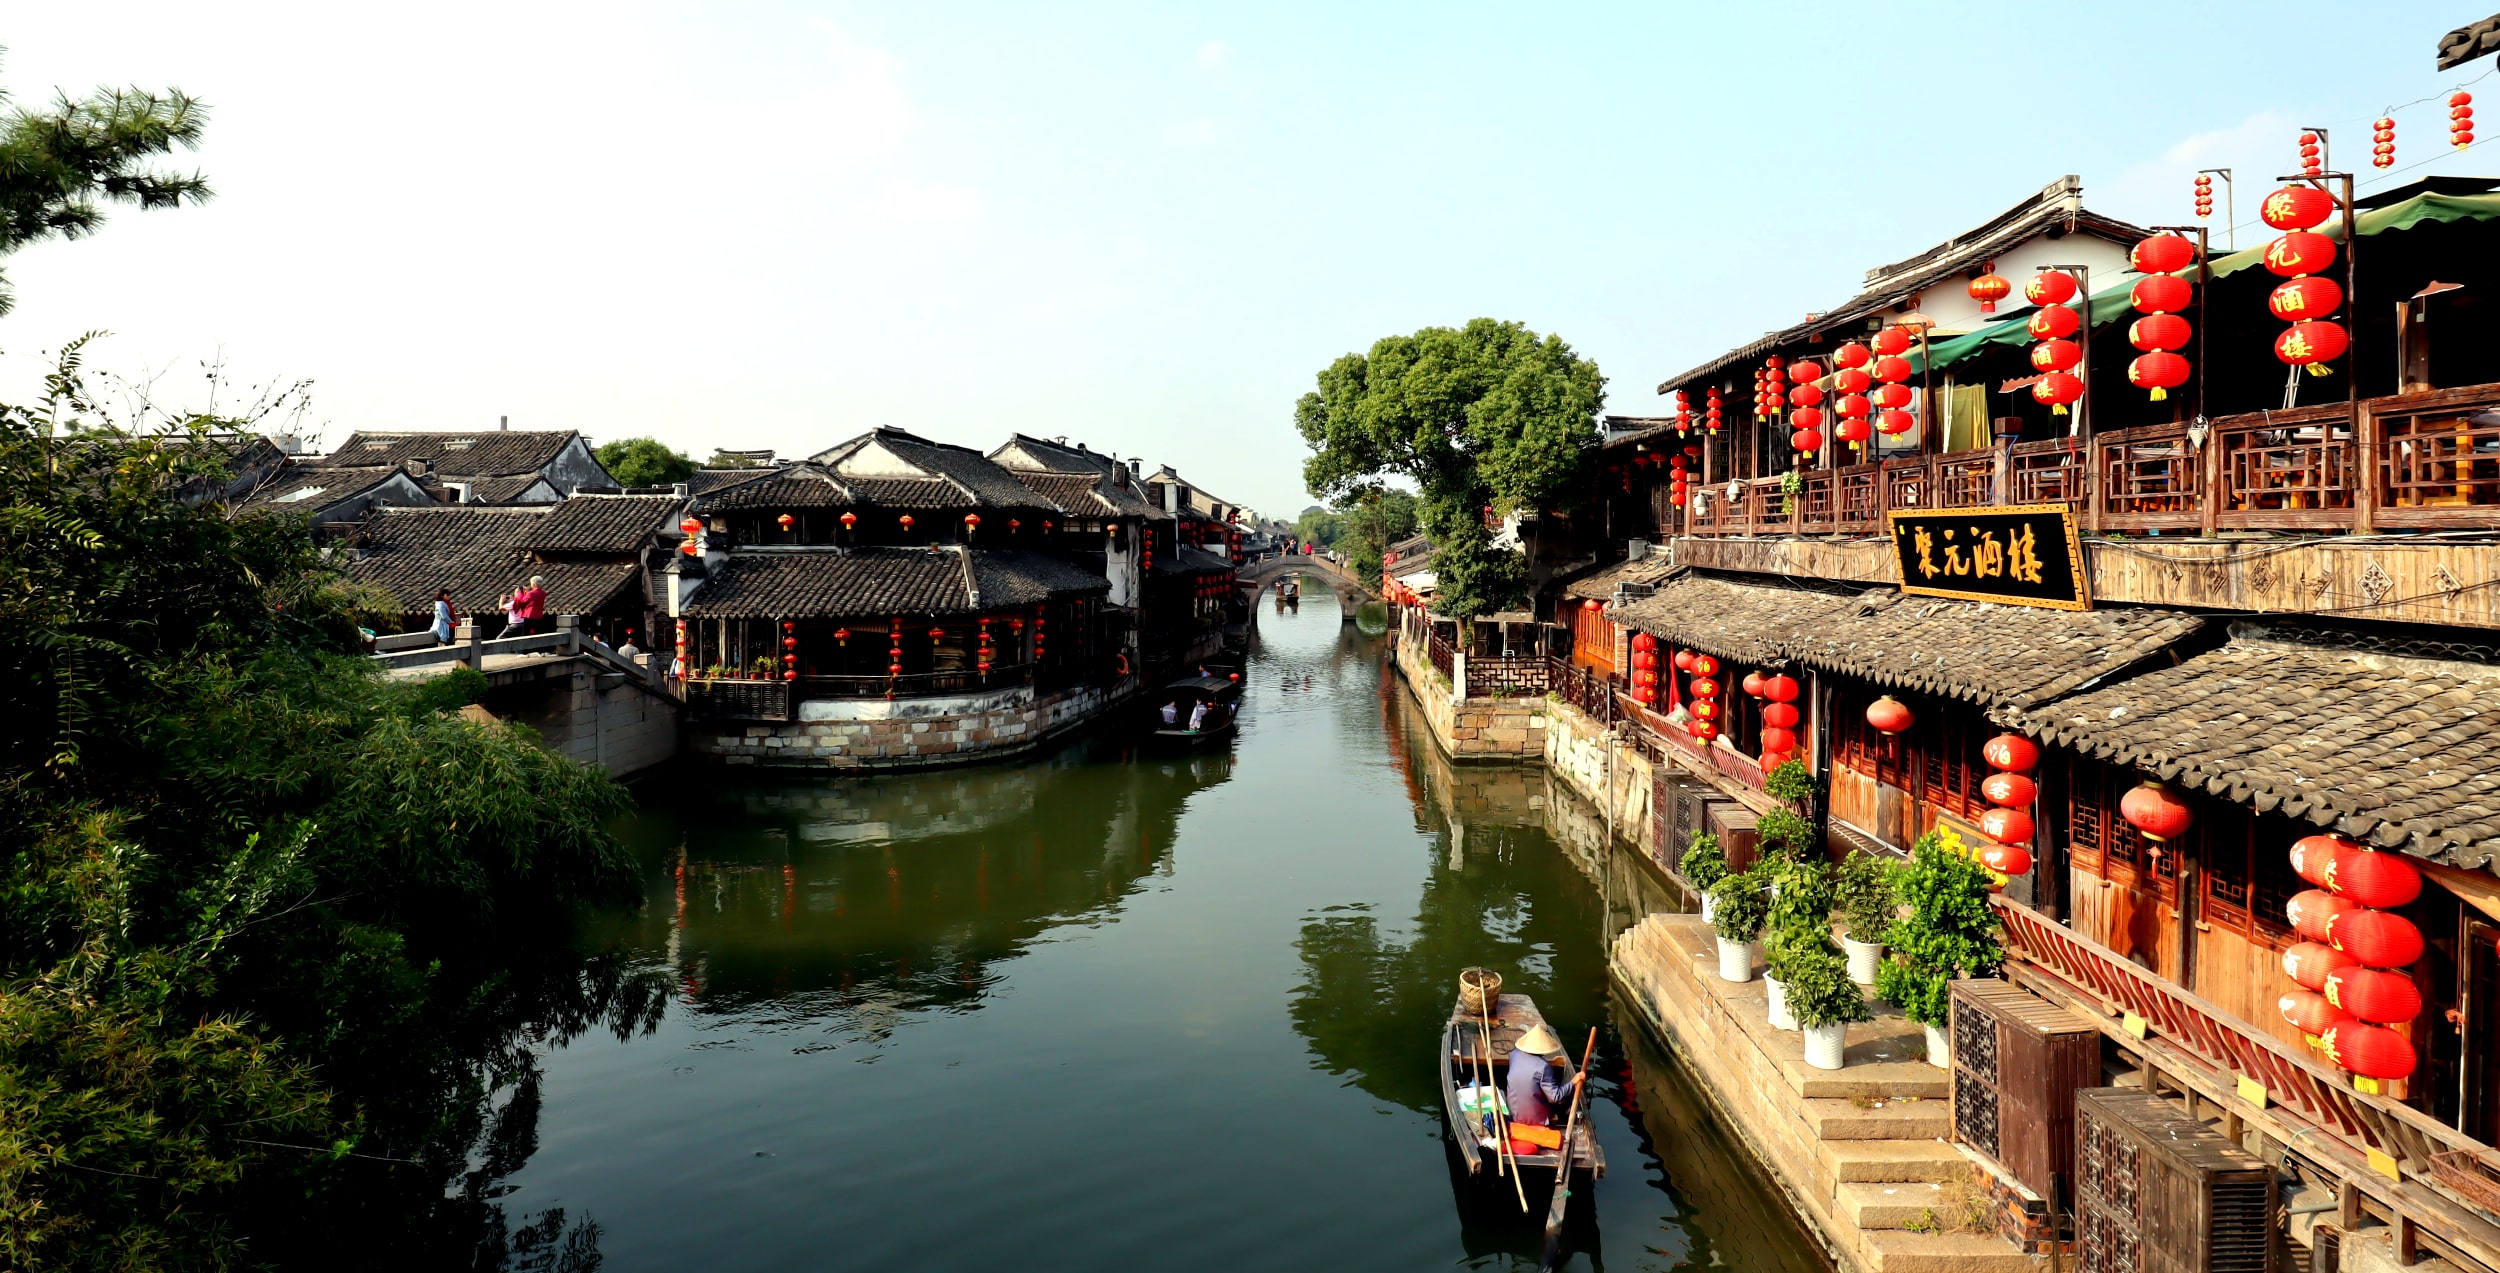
[{"x": 845, "y": 907}]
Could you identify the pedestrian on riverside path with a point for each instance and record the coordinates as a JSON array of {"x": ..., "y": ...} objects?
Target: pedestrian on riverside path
[
  {"x": 446, "y": 617},
  {"x": 1540, "y": 1078},
  {"x": 529, "y": 608}
]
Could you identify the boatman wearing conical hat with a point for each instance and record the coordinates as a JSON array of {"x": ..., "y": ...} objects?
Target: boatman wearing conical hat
[{"x": 1540, "y": 1080}]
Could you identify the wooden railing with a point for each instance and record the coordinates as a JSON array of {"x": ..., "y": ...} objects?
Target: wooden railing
[
  {"x": 2381, "y": 1143},
  {"x": 1506, "y": 676},
  {"x": 1440, "y": 653},
  {"x": 2426, "y": 461},
  {"x": 723, "y": 699}
]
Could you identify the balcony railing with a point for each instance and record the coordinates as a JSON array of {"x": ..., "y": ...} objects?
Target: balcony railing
[{"x": 2419, "y": 461}]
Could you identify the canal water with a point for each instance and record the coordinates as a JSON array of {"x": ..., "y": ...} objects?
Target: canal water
[{"x": 1109, "y": 1010}]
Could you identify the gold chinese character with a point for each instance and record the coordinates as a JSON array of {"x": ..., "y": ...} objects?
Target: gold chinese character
[
  {"x": 2295, "y": 346},
  {"x": 2026, "y": 561},
  {"x": 1926, "y": 553},
  {"x": 1987, "y": 556},
  {"x": 2279, "y": 205},
  {"x": 1953, "y": 563}
]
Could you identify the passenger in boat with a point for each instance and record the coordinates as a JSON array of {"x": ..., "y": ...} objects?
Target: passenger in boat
[
  {"x": 1540, "y": 1078},
  {"x": 1172, "y": 712},
  {"x": 1198, "y": 716}
]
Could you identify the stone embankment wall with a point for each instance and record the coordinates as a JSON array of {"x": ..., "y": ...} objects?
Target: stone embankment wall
[
  {"x": 1473, "y": 728},
  {"x": 876, "y": 733},
  {"x": 1590, "y": 760},
  {"x": 593, "y": 715}
]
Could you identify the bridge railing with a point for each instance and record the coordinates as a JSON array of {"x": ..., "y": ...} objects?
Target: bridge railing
[{"x": 417, "y": 649}]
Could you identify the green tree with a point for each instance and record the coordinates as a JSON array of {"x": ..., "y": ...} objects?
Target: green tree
[
  {"x": 1489, "y": 416},
  {"x": 61, "y": 164},
  {"x": 1376, "y": 519},
  {"x": 644, "y": 462},
  {"x": 256, "y": 898},
  {"x": 1319, "y": 526}
]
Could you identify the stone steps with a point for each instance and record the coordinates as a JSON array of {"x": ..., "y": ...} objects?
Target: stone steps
[
  {"x": 1896, "y": 1251},
  {"x": 1896, "y": 1120},
  {"x": 1893, "y": 1161},
  {"x": 1904, "y": 1204}
]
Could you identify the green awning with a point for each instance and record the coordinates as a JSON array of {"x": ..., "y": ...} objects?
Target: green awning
[{"x": 2111, "y": 305}]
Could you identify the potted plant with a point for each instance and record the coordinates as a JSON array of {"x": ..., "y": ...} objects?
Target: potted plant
[
  {"x": 1703, "y": 866},
  {"x": 1949, "y": 931},
  {"x": 1799, "y": 921},
  {"x": 1825, "y": 1000},
  {"x": 1783, "y": 835},
  {"x": 1789, "y": 781},
  {"x": 1867, "y": 905},
  {"x": 1738, "y": 909}
]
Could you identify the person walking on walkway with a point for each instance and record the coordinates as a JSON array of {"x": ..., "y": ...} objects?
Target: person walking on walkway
[
  {"x": 446, "y": 617},
  {"x": 529, "y": 608}
]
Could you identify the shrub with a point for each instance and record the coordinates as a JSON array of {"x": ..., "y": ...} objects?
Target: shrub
[
  {"x": 1739, "y": 906},
  {"x": 1703, "y": 864},
  {"x": 1784, "y": 834},
  {"x": 1790, "y": 782},
  {"x": 1819, "y": 989},
  {"x": 1868, "y": 896},
  {"x": 1799, "y": 923},
  {"x": 1949, "y": 929}
]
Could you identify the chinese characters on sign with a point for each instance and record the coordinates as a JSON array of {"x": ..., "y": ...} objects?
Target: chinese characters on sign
[{"x": 2023, "y": 556}]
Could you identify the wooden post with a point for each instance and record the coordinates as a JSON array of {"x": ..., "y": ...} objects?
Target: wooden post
[
  {"x": 2365, "y": 467},
  {"x": 2347, "y": 1206}
]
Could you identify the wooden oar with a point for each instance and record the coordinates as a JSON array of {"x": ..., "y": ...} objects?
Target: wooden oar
[
  {"x": 1501, "y": 1117},
  {"x": 1562, "y": 1175}
]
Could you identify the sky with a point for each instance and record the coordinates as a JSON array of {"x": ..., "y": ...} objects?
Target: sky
[{"x": 1142, "y": 226}]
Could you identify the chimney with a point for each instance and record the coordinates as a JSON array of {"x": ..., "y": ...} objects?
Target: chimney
[
  {"x": 503, "y": 423},
  {"x": 418, "y": 468},
  {"x": 1172, "y": 498},
  {"x": 1136, "y": 468}
]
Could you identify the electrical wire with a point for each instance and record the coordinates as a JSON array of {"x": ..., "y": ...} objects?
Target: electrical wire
[{"x": 2390, "y": 113}]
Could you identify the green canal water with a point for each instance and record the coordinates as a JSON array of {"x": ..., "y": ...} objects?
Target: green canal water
[{"x": 1104, "y": 1010}]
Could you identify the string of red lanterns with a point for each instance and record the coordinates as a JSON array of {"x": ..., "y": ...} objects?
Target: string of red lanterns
[
  {"x": 2354, "y": 1002},
  {"x": 2312, "y": 156},
  {"x": 1645, "y": 669},
  {"x": 1893, "y": 371},
  {"x": 1806, "y": 399},
  {"x": 2307, "y": 298},
  {"x": 1705, "y": 692},
  {"x": 2460, "y": 119},
  {"x": 1779, "y": 720},
  {"x": 1711, "y": 409},
  {"x": 1683, "y": 412},
  {"x": 2010, "y": 792},
  {"x": 2383, "y": 143},
  {"x": 2051, "y": 325},
  {"x": 2160, "y": 294},
  {"x": 1851, "y": 382},
  {"x": 2204, "y": 195}
]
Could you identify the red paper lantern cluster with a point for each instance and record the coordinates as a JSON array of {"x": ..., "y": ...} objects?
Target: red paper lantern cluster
[
  {"x": 2460, "y": 119},
  {"x": 1989, "y": 288},
  {"x": 1705, "y": 690},
  {"x": 2052, "y": 324},
  {"x": 2161, "y": 332},
  {"x": 2383, "y": 143},
  {"x": 1645, "y": 669},
  {"x": 1893, "y": 371},
  {"x": 1680, "y": 488},
  {"x": 1683, "y": 412},
  {"x": 2311, "y": 341},
  {"x": 2312, "y": 156},
  {"x": 1711, "y": 409},
  {"x": 894, "y": 647},
  {"x": 2354, "y": 953},
  {"x": 2204, "y": 195},
  {"x": 2011, "y": 790}
]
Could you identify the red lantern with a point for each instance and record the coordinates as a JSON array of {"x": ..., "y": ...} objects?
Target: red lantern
[
  {"x": 2311, "y": 345},
  {"x": 2056, "y": 355},
  {"x": 2313, "y": 858},
  {"x": 1808, "y": 441},
  {"x": 2309, "y": 296},
  {"x": 691, "y": 526},
  {"x": 972, "y": 521},
  {"x": 1644, "y": 676},
  {"x": 1704, "y": 709},
  {"x": 1849, "y": 431},
  {"x": 2300, "y": 252},
  {"x": 849, "y": 520},
  {"x": 2160, "y": 332},
  {"x": 1896, "y": 422},
  {"x": 1852, "y": 380},
  {"x": 1806, "y": 371},
  {"x": 1780, "y": 688},
  {"x": 2295, "y": 208},
  {"x": 1779, "y": 715},
  {"x": 1704, "y": 730},
  {"x": 1776, "y": 739},
  {"x": 1892, "y": 370},
  {"x": 1988, "y": 289},
  {"x": 1592, "y": 605},
  {"x": 2383, "y": 138},
  {"x": 2380, "y": 939},
  {"x": 1893, "y": 397},
  {"x": 785, "y": 519},
  {"x": 2309, "y": 963},
  {"x": 1806, "y": 418},
  {"x": 2161, "y": 294},
  {"x": 1704, "y": 665},
  {"x": 1855, "y": 406},
  {"x": 1805, "y": 396},
  {"x": 1852, "y": 355},
  {"x": 2057, "y": 388},
  {"x": 2313, "y": 913},
  {"x": 2006, "y": 826},
  {"x": 2162, "y": 254},
  {"x": 893, "y": 669},
  {"x": 2371, "y": 1051},
  {"x": 2310, "y": 1013},
  {"x": 1889, "y": 716},
  {"x": 2204, "y": 194},
  {"x": 2159, "y": 372},
  {"x": 2050, "y": 287},
  {"x": 2372, "y": 878},
  {"x": 906, "y": 520},
  {"x": 1752, "y": 686},
  {"x": 2460, "y": 119},
  {"x": 1892, "y": 340},
  {"x": 2006, "y": 859},
  {"x": 1704, "y": 687},
  {"x": 2157, "y": 811},
  {"x": 2011, "y": 751},
  {"x": 2007, "y": 790},
  {"x": 2374, "y": 995},
  {"x": 2053, "y": 322},
  {"x": 1684, "y": 660}
]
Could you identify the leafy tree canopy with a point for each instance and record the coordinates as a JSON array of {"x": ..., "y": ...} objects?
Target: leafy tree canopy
[
  {"x": 644, "y": 462},
  {"x": 59, "y": 165},
  {"x": 1486, "y": 416}
]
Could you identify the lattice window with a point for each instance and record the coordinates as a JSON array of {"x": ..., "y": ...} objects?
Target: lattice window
[{"x": 1948, "y": 738}]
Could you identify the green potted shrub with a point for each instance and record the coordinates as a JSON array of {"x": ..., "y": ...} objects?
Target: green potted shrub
[
  {"x": 1868, "y": 901},
  {"x": 1825, "y": 1000},
  {"x": 1703, "y": 866},
  {"x": 1790, "y": 781},
  {"x": 1949, "y": 931},
  {"x": 1738, "y": 909},
  {"x": 1784, "y": 835},
  {"x": 1799, "y": 922}
]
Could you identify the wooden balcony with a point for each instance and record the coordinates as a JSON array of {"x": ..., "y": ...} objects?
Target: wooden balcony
[{"x": 2421, "y": 461}]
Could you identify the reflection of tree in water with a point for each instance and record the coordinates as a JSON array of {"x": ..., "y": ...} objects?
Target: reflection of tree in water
[{"x": 842, "y": 908}]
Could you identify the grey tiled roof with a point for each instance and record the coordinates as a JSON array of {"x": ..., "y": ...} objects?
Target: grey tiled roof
[
  {"x": 799, "y": 486},
  {"x": 611, "y": 524},
  {"x": 867, "y": 582},
  {"x": 1999, "y": 656},
  {"x": 307, "y": 487},
  {"x": 1085, "y": 494},
  {"x": 2401, "y": 753},
  {"x": 979, "y": 480},
  {"x": 476, "y": 553},
  {"x": 490, "y": 453},
  {"x": 1600, "y": 583}
]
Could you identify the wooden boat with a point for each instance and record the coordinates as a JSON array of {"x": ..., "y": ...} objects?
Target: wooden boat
[
  {"x": 1461, "y": 1065},
  {"x": 1221, "y": 694}
]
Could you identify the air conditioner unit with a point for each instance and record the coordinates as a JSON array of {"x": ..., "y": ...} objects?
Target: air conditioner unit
[
  {"x": 2159, "y": 1192},
  {"x": 1634, "y": 591},
  {"x": 1674, "y": 814},
  {"x": 1636, "y": 550},
  {"x": 2018, "y": 1061}
]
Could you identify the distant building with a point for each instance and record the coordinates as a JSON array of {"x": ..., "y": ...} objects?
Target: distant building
[{"x": 487, "y": 467}]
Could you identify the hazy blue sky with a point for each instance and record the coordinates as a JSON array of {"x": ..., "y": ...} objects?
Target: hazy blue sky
[{"x": 1146, "y": 226}]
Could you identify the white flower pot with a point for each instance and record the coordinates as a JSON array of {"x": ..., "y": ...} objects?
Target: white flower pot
[
  {"x": 1709, "y": 908},
  {"x": 1939, "y": 1048},
  {"x": 1864, "y": 956},
  {"x": 1781, "y": 1017},
  {"x": 1735, "y": 960},
  {"x": 1827, "y": 1046}
]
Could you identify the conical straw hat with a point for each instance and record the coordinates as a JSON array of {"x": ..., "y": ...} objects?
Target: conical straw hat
[{"x": 1539, "y": 1041}]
